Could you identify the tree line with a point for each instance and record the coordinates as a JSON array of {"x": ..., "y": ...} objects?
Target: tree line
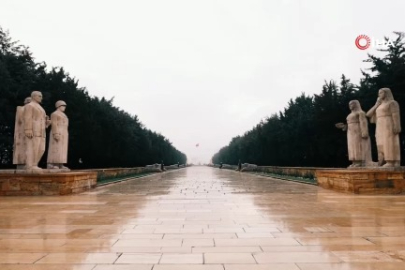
[
  {"x": 101, "y": 135},
  {"x": 304, "y": 133}
]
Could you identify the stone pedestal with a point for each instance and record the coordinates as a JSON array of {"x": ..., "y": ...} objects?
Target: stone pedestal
[
  {"x": 363, "y": 181},
  {"x": 14, "y": 183}
]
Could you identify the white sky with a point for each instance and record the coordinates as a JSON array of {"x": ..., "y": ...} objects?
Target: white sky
[{"x": 201, "y": 71}]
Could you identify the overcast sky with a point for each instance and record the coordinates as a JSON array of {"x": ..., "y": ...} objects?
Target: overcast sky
[{"x": 202, "y": 71}]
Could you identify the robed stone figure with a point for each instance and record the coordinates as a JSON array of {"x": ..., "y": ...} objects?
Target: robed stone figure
[
  {"x": 385, "y": 114},
  {"x": 358, "y": 139},
  {"x": 58, "y": 138},
  {"x": 19, "y": 137}
]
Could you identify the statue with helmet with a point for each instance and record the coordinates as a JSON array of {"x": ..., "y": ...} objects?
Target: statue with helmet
[{"x": 58, "y": 139}]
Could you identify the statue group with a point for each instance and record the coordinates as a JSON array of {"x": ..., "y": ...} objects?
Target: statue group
[
  {"x": 30, "y": 135},
  {"x": 385, "y": 114},
  {"x": 31, "y": 124}
]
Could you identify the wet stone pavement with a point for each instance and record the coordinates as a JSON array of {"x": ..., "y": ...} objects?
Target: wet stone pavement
[{"x": 203, "y": 218}]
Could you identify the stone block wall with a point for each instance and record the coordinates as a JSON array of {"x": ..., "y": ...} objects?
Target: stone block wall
[
  {"x": 304, "y": 172},
  {"x": 121, "y": 172},
  {"x": 370, "y": 181},
  {"x": 63, "y": 183}
]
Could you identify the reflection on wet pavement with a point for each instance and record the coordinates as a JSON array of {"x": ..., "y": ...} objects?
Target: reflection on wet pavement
[{"x": 203, "y": 218}]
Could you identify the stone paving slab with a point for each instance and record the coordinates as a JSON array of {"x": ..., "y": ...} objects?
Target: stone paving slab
[{"x": 203, "y": 218}]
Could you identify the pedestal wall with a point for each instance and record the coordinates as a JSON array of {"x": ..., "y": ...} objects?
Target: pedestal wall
[
  {"x": 62, "y": 183},
  {"x": 364, "y": 181}
]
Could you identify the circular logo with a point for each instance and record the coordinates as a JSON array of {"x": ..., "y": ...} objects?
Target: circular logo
[{"x": 362, "y": 39}]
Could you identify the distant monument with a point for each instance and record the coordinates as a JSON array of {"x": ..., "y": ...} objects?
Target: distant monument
[
  {"x": 59, "y": 137},
  {"x": 248, "y": 167},
  {"x": 358, "y": 139},
  {"x": 19, "y": 137},
  {"x": 35, "y": 123},
  {"x": 385, "y": 114}
]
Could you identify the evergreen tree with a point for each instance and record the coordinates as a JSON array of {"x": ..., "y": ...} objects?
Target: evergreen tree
[
  {"x": 100, "y": 134},
  {"x": 304, "y": 134}
]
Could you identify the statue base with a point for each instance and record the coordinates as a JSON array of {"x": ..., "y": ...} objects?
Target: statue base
[
  {"x": 36, "y": 171},
  {"x": 363, "y": 180},
  {"x": 379, "y": 168},
  {"x": 45, "y": 182}
]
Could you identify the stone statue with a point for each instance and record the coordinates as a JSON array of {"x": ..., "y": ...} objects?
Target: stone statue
[
  {"x": 35, "y": 123},
  {"x": 248, "y": 167},
  {"x": 239, "y": 166},
  {"x": 58, "y": 138},
  {"x": 19, "y": 137},
  {"x": 358, "y": 140},
  {"x": 385, "y": 114}
]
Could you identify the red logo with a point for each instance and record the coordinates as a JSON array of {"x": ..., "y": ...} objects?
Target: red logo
[{"x": 362, "y": 38}]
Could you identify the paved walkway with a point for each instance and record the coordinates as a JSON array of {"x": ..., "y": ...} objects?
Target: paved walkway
[{"x": 203, "y": 218}]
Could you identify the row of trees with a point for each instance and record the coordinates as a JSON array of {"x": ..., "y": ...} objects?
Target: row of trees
[
  {"x": 100, "y": 134},
  {"x": 304, "y": 133}
]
